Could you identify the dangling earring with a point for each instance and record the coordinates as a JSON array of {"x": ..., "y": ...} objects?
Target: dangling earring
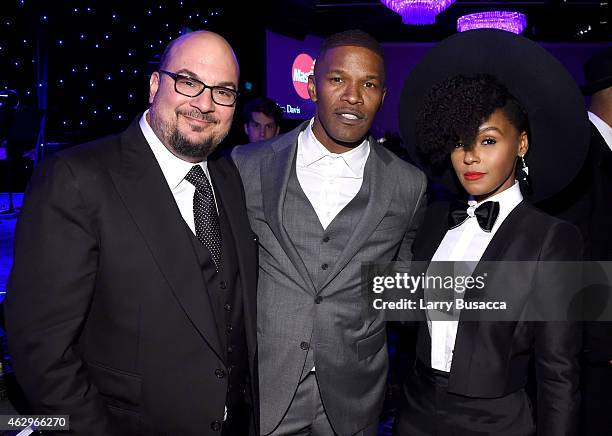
[{"x": 525, "y": 175}]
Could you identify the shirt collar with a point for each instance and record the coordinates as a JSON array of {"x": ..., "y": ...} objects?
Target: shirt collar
[
  {"x": 311, "y": 151},
  {"x": 173, "y": 168},
  {"x": 507, "y": 199},
  {"x": 602, "y": 126}
]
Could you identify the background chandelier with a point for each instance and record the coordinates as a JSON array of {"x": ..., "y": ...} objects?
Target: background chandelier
[
  {"x": 514, "y": 22},
  {"x": 419, "y": 12}
]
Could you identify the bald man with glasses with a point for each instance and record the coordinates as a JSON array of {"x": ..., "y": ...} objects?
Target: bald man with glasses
[{"x": 131, "y": 303}]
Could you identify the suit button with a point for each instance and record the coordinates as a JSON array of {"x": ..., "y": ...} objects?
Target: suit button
[
  {"x": 227, "y": 307},
  {"x": 318, "y": 299},
  {"x": 304, "y": 345},
  {"x": 324, "y": 266},
  {"x": 229, "y": 328},
  {"x": 230, "y": 349},
  {"x": 219, "y": 373},
  {"x": 223, "y": 284},
  {"x": 215, "y": 426},
  {"x": 326, "y": 239}
]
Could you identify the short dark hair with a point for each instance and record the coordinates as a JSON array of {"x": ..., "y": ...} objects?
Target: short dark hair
[
  {"x": 454, "y": 109},
  {"x": 264, "y": 105},
  {"x": 354, "y": 37}
]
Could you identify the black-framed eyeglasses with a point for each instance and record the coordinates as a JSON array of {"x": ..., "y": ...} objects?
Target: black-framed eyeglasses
[{"x": 190, "y": 87}]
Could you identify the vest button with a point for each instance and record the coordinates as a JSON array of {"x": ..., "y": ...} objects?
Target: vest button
[
  {"x": 227, "y": 307},
  {"x": 229, "y": 328},
  {"x": 223, "y": 284},
  {"x": 326, "y": 239},
  {"x": 219, "y": 373},
  {"x": 230, "y": 349},
  {"x": 215, "y": 426},
  {"x": 304, "y": 346},
  {"x": 318, "y": 299},
  {"x": 324, "y": 266}
]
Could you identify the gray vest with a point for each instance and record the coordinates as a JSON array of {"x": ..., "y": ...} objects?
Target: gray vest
[{"x": 319, "y": 248}]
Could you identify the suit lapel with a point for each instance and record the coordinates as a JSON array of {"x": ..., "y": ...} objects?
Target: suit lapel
[
  {"x": 228, "y": 192},
  {"x": 431, "y": 233},
  {"x": 467, "y": 331},
  {"x": 381, "y": 189},
  {"x": 429, "y": 238},
  {"x": 147, "y": 197},
  {"x": 275, "y": 173}
]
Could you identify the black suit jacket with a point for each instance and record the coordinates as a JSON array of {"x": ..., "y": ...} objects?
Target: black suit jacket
[
  {"x": 492, "y": 359},
  {"x": 107, "y": 312},
  {"x": 587, "y": 203}
]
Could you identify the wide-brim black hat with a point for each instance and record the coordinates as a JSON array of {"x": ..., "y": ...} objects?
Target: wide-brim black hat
[
  {"x": 598, "y": 72},
  {"x": 559, "y": 128}
]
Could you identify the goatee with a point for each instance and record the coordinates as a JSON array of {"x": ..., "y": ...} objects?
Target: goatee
[{"x": 182, "y": 146}]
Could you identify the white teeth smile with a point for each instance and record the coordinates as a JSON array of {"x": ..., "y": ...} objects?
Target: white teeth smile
[{"x": 349, "y": 116}]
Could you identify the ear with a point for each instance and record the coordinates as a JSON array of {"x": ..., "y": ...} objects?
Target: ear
[
  {"x": 382, "y": 100},
  {"x": 523, "y": 146},
  {"x": 312, "y": 89},
  {"x": 153, "y": 86},
  {"x": 246, "y": 128},
  {"x": 277, "y": 130}
]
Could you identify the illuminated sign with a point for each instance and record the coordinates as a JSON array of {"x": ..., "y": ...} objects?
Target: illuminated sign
[{"x": 303, "y": 66}]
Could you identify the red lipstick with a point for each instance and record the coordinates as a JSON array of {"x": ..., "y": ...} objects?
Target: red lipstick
[{"x": 473, "y": 176}]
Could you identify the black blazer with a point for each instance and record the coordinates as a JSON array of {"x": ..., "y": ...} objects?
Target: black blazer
[
  {"x": 586, "y": 202},
  {"x": 492, "y": 359},
  {"x": 107, "y": 312}
]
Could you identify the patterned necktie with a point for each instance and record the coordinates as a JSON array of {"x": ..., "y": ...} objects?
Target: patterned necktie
[
  {"x": 486, "y": 214},
  {"x": 205, "y": 213}
]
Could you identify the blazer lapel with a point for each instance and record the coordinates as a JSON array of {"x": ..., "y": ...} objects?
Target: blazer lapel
[
  {"x": 467, "y": 330},
  {"x": 429, "y": 238},
  {"x": 228, "y": 192},
  {"x": 382, "y": 186},
  {"x": 432, "y": 231},
  {"x": 275, "y": 173},
  {"x": 147, "y": 197}
]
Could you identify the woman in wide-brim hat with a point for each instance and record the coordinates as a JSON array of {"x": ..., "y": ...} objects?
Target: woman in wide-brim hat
[{"x": 479, "y": 108}]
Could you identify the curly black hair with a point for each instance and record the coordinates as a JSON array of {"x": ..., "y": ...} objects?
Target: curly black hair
[{"x": 453, "y": 110}]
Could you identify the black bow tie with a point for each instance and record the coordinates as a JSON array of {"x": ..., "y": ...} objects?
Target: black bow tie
[{"x": 486, "y": 214}]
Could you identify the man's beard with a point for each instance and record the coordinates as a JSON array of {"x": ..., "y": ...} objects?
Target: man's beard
[{"x": 183, "y": 146}]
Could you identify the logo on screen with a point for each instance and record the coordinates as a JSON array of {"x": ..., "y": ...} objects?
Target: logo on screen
[{"x": 303, "y": 66}]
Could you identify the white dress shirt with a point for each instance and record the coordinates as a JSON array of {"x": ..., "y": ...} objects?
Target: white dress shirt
[
  {"x": 329, "y": 180},
  {"x": 466, "y": 242},
  {"x": 174, "y": 170},
  {"x": 602, "y": 126}
]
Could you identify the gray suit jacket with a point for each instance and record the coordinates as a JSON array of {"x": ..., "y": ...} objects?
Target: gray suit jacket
[{"x": 349, "y": 342}]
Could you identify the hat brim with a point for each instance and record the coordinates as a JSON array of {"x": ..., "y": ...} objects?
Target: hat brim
[
  {"x": 592, "y": 88},
  {"x": 559, "y": 128}
]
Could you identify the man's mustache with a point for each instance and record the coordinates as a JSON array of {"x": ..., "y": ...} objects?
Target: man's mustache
[{"x": 200, "y": 116}]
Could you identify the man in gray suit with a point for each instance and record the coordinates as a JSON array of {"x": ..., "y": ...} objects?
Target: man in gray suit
[{"x": 323, "y": 199}]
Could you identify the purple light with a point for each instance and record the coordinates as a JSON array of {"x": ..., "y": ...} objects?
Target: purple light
[
  {"x": 514, "y": 22},
  {"x": 418, "y": 12}
]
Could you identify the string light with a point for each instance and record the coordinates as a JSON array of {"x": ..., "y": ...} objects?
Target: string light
[{"x": 93, "y": 44}]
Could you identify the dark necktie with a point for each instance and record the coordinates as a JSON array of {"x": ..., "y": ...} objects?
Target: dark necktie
[
  {"x": 486, "y": 214},
  {"x": 205, "y": 213}
]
